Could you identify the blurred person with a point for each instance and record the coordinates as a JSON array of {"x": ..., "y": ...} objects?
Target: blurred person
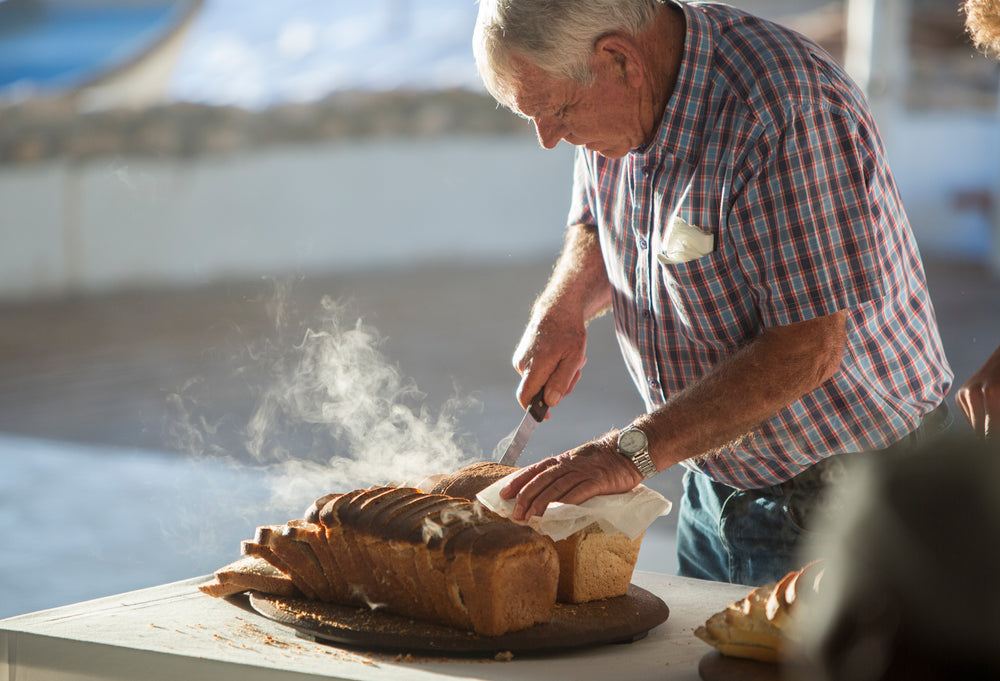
[
  {"x": 909, "y": 591},
  {"x": 732, "y": 205},
  {"x": 979, "y": 397}
]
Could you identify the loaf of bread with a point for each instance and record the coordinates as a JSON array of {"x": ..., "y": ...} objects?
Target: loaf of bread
[
  {"x": 248, "y": 574},
  {"x": 762, "y": 626},
  {"x": 426, "y": 556},
  {"x": 592, "y": 563}
]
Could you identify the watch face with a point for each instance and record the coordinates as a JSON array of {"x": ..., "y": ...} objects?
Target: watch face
[{"x": 631, "y": 441}]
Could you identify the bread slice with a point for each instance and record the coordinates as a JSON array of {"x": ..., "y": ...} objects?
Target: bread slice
[
  {"x": 318, "y": 552},
  {"x": 390, "y": 562},
  {"x": 312, "y": 513},
  {"x": 350, "y": 568},
  {"x": 291, "y": 560},
  {"x": 430, "y": 570},
  {"x": 249, "y": 574},
  {"x": 360, "y": 514},
  {"x": 594, "y": 565}
]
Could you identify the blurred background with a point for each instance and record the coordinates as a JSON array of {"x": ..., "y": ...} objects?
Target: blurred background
[{"x": 237, "y": 238}]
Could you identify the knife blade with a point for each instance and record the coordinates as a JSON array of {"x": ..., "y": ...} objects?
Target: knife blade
[{"x": 533, "y": 415}]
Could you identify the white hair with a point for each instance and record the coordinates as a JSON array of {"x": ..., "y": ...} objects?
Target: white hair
[
  {"x": 557, "y": 36},
  {"x": 982, "y": 21}
]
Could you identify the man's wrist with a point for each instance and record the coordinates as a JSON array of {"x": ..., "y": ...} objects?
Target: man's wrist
[{"x": 633, "y": 444}]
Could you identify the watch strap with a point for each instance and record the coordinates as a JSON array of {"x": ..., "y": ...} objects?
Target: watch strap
[{"x": 645, "y": 464}]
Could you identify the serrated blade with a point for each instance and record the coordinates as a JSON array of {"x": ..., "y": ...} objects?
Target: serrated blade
[{"x": 533, "y": 415}]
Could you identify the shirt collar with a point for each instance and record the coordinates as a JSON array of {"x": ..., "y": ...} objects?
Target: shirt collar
[{"x": 683, "y": 121}]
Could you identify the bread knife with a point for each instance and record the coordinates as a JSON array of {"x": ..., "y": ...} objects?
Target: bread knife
[{"x": 533, "y": 415}]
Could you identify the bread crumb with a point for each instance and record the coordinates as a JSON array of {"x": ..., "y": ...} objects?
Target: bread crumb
[{"x": 505, "y": 656}]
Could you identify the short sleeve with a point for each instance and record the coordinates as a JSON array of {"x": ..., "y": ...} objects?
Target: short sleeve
[
  {"x": 581, "y": 209},
  {"x": 804, "y": 226}
]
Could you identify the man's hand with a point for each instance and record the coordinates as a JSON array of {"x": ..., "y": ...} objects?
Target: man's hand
[
  {"x": 572, "y": 477},
  {"x": 979, "y": 397},
  {"x": 552, "y": 353}
]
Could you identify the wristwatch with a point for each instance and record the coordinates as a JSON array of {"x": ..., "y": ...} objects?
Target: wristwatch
[{"x": 634, "y": 446}]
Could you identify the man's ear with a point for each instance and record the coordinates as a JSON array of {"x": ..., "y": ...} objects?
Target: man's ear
[{"x": 619, "y": 52}]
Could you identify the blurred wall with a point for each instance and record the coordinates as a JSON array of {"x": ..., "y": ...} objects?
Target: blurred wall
[
  {"x": 102, "y": 224},
  {"x": 187, "y": 195},
  {"x": 90, "y": 204}
]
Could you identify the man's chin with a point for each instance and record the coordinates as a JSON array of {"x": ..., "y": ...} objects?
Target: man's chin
[{"x": 607, "y": 152}]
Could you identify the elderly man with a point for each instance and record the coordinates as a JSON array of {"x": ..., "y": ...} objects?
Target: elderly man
[{"x": 732, "y": 205}]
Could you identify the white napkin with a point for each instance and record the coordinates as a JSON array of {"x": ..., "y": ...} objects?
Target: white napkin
[
  {"x": 630, "y": 513},
  {"x": 685, "y": 242}
]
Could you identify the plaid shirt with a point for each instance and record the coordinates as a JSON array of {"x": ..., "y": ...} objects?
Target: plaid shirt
[{"x": 766, "y": 144}]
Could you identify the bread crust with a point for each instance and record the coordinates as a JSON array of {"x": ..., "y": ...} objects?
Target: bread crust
[
  {"x": 762, "y": 626},
  {"x": 469, "y": 481}
]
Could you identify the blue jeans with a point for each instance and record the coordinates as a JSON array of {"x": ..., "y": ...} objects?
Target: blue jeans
[{"x": 756, "y": 536}]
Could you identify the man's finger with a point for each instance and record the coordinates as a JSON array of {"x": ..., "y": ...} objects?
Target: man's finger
[
  {"x": 971, "y": 404},
  {"x": 521, "y": 478},
  {"x": 549, "y": 486},
  {"x": 563, "y": 378}
]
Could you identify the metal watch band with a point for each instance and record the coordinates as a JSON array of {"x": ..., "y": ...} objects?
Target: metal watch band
[{"x": 645, "y": 465}]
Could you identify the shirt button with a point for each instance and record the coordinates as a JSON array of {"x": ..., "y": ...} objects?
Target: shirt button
[
  {"x": 643, "y": 243},
  {"x": 653, "y": 383},
  {"x": 647, "y": 314}
]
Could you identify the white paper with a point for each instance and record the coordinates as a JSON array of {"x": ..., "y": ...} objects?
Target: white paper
[
  {"x": 685, "y": 242},
  {"x": 630, "y": 513}
]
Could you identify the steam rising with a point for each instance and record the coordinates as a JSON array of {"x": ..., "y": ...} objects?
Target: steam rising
[{"x": 331, "y": 414}]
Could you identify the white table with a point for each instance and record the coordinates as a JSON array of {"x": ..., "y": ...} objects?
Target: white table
[{"x": 176, "y": 632}]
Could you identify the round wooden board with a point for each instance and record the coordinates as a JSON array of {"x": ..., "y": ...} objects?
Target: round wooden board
[
  {"x": 715, "y": 666},
  {"x": 623, "y": 619}
]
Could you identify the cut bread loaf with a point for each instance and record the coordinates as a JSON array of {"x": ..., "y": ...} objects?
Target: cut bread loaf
[
  {"x": 439, "y": 558},
  {"x": 762, "y": 625},
  {"x": 592, "y": 563},
  {"x": 426, "y": 556}
]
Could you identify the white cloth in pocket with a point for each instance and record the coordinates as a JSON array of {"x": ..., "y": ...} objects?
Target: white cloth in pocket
[{"x": 685, "y": 242}]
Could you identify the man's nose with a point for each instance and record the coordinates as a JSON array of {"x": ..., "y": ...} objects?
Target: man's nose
[{"x": 550, "y": 131}]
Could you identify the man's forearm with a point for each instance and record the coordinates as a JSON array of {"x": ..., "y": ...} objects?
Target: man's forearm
[
  {"x": 579, "y": 283},
  {"x": 760, "y": 379},
  {"x": 552, "y": 350}
]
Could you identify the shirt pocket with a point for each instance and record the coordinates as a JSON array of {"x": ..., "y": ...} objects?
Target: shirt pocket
[{"x": 709, "y": 301}]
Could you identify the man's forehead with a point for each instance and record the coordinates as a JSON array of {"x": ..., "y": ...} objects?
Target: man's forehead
[
  {"x": 534, "y": 91},
  {"x": 531, "y": 102}
]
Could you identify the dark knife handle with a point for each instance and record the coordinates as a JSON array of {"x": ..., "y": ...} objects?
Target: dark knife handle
[{"x": 538, "y": 409}]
